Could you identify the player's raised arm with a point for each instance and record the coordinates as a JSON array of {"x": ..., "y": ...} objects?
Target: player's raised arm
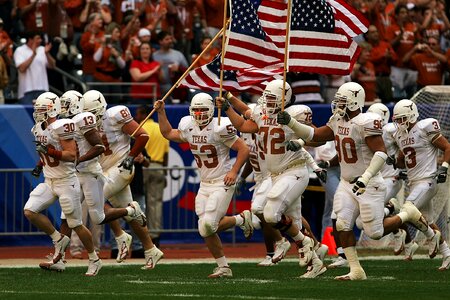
[
  {"x": 241, "y": 124},
  {"x": 164, "y": 125}
]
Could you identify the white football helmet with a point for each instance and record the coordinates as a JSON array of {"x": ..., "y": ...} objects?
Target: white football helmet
[
  {"x": 272, "y": 96},
  {"x": 405, "y": 113},
  {"x": 202, "y": 109},
  {"x": 381, "y": 110},
  {"x": 72, "y": 103},
  {"x": 47, "y": 105},
  {"x": 301, "y": 113},
  {"x": 95, "y": 103},
  {"x": 349, "y": 96}
]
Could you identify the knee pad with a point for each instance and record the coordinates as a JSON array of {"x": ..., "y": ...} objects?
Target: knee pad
[
  {"x": 67, "y": 206},
  {"x": 206, "y": 227},
  {"x": 373, "y": 231},
  {"x": 256, "y": 222},
  {"x": 359, "y": 223},
  {"x": 257, "y": 209},
  {"x": 96, "y": 216},
  {"x": 72, "y": 222},
  {"x": 342, "y": 225},
  {"x": 284, "y": 224}
]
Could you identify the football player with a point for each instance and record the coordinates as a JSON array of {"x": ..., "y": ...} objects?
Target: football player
[
  {"x": 210, "y": 144},
  {"x": 58, "y": 151},
  {"x": 419, "y": 142},
  {"x": 116, "y": 127},
  {"x": 287, "y": 167},
  {"x": 362, "y": 154}
]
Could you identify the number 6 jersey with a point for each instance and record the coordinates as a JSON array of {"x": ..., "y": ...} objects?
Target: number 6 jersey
[
  {"x": 62, "y": 129},
  {"x": 350, "y": 140},
  {"x": 210, "y": 145}
]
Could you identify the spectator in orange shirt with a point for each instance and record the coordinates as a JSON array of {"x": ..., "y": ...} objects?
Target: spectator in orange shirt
[
  {"x": 92, "y": 36},
  {"x": 208, "y": 56},
  {"x": 96, "y": 6},
  {"x": 429, "y": 61},
  {"x": 34, "y": 14},
  {"x": 382, "y": 57},
  {"x": 364, "y": 73},
  {"x": 145, "y": 69},
  {"x": 435, "y": 21},
  {"x": 109, "y": 63},
  {"x": 382, "y": 16},
  {"x": 5, "y": 42}
]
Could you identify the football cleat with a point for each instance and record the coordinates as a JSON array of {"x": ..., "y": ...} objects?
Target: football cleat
[
  {"x": 414, "y": 216},
  {"x": 434, "y": 244},
  {"x": 305, "y": 251},
  {"x": 123, "y": 246},
  {"x": 60, "y": 248},
  {"x": 152, "y": 257},
  {"x": 315, "y": 268},
  {"x": 399, "y": 241},
  {"x": 339, "y": 262},
  {"x": 358, "y": 274},
  {"x": 94, "y": 267},
  {"x": 266, "y": 262},
  {"x": 59, "y": 266},
  {"x": 445, "y": 263},
  {"x": 281, "y": 248},
  {"x": 410, "y": 249},
  {"x": 321, "y": 251},
  {"x": 220, "y": 272},
  {"x": 247, "y": 226},
  {"x": 138, "y": 214}
]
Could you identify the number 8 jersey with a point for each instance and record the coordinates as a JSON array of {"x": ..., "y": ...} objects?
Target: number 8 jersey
[
  {"x": 62, "y": 129},
  {"x": 350, "y": 140},
  {"x": 210, "y": 145}
]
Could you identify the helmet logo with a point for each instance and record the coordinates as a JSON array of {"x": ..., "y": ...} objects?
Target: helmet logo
[
  {"x": 355, "y": 93},
  {"x": 98, "y": 99},
  {"x": 410, "y": 106}
]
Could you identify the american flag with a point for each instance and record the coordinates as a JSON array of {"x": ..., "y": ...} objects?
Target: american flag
[
  {"x": 320, "y": 35},
  {"x": 252, "y": 80}
]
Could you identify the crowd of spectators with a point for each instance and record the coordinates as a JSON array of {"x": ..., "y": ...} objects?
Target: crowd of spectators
[{"x": 135, "y": 50}]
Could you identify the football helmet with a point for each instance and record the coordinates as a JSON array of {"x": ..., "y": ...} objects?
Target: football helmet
[
  {"x": 350, "y": 96},
  {"x": 272, "y": 96},
  {"x": 72, "y": 103},
  {"x": 405, "y": 113},
  {"x": 202, "y": 109},
  {"x": 95, "y": 103},
  {"x": 47, "y": 105},
  {"x": 381, "y": 110},
  {"x": 301, "y": 113}
]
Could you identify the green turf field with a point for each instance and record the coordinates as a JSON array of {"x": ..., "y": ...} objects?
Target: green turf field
[{"x": 387, "y": 279}]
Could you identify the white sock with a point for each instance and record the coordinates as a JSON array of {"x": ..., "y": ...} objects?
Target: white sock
[
  {"x": 404, "y": 216},
  {"x": 150, "y": 251},
  {"x": 352, "y": 258},
  {"x": 130, "y": 210},
  {"x": 93, "y": 255},
  {"x": 429, "y": 233},
  {"x": 340, "y": 250},
  {"x": 443, "y": 248},
  {"x": 239, "y": 220},
  {"x": 56, "y": 235},
  {"x": 222, "y": 262},
  {"x": 299, "y": 237}
]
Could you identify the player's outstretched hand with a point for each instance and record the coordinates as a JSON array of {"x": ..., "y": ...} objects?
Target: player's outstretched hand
[
  {"x": 441, "y": 174},
  {"x": 283, "y": 118},
  {"x": 37, "y": 171},
  {"x": 222, "y": 103},
  {"x": 391, "y": 161},
  {"x": 321, "y": 174},
  {"x": 128, "y": 163},
  {"x": 293, "y": 146},
  {"x": 41, "y": 147},
  {"x": 359, "y": 186},
  {"x": 159, "y": 105}
]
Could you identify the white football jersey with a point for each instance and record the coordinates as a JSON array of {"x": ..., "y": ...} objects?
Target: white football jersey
[
  {"x": 349, "y": 137},
  {"x": 85, "y": 122},
  {"x": 62, "y": 129},
  {"x": 256, "y": 157},
  {"x": 210, "y": 146},
  {"x": 391, "y": 149},
  {"x": 272, "y": 138},
  {"x": 420, "y": 153},
  {"x": 116, "y": 142}
]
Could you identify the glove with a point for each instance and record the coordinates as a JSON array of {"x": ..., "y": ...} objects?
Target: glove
[
  {"x": 441, "y": 174},
  {"x": 391, "y": 161},
  {"x": 283, "y": 118},
  {"x": 293, "y": 146},
  {"x": 41, "y": 147},
  {"x": 323, "y": 164},
  {"x": 37, "y": 171},
  {"x": 128, "y": 163},
  {"x": 359, "y": 186},
  {"x": 240, "y": 183},
  {"x": 403, "y": 175},
  {"x": 225, "y": 103},
  {"x": 321, "y": 174}
]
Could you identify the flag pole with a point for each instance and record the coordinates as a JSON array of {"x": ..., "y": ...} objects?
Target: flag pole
[
  {"x": 286, "y": 50},
  {"x": 224, "y": 27},
  {"x": 182, "y": 77}
]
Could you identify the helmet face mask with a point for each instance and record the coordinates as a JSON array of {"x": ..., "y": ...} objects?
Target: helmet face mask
[
  {"x": 95, "y": 103},
  {"x": 47, "y": 105},
  {"x": 202, "y": 109},
  {"x": 271, "y": 99},
  {"x": 381, "y": 110},
  {"x": 349, "y": 97},
  {"x": 405, "y": 114},
  {"x": 72, "y": 103}
]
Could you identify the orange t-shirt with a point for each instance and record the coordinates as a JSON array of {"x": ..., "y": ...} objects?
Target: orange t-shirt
[
  {"x": 88, "y": 50},
  {"x": 30, "y": 20},
  {"x": 410, "y": 36},
  {"x": 381, "y": 63},
  {"x": 430, "y": 69},
  {"x": 366, "y": 78}
]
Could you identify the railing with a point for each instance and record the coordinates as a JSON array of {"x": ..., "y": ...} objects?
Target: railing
[{"x": 16, "y": 185}]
